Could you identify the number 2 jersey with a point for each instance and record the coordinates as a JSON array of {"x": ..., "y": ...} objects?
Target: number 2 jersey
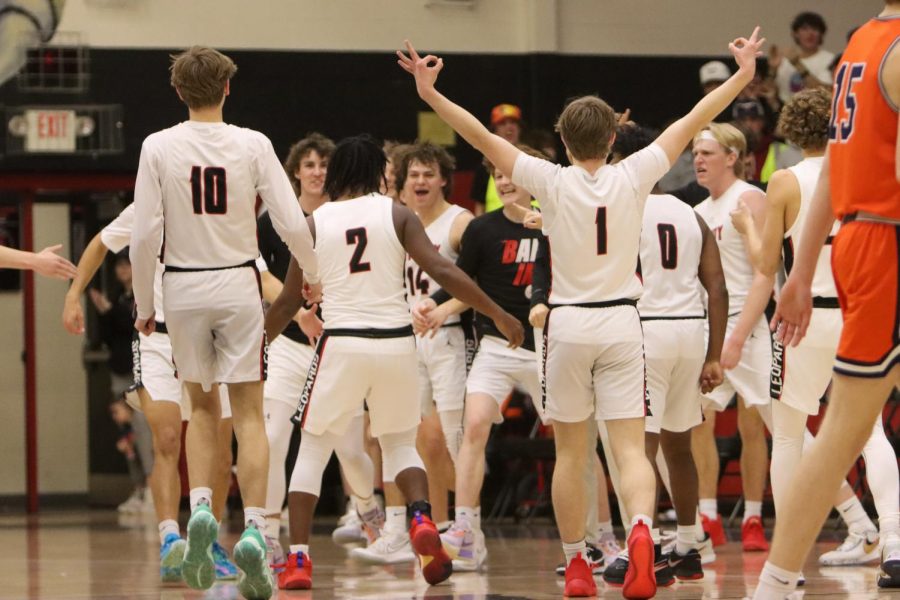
[{"x": 196, "y": 190}]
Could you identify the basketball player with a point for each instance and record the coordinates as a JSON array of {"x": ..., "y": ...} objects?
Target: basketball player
[
  {"x": 361, "y": 240},
  {"x": 860, "y": 180},
  {"x": 747, "y": 354},
  {"x": 796, "y": 391},
  {"x": 199, "y": 181},
  {"x": 499, "y": 254},
  {"x": 594, "y": 345},
  {"x": 46, "y": 262},
  {"x": 163, "y": 403}
]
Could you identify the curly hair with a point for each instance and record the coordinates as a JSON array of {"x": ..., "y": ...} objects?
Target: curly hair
[
  {"x": 804, "y": 120},
  {"x": 314, "y": 141},
  {"x": 426, "y": 153}
]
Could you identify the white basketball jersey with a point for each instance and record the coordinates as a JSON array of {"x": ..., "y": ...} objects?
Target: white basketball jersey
[
  {"x": 671, "y": 242},
  {"x": 419, "y": 284},
  {"x": 735, "y": 260},
  {"x": 807, "y": 174},
  {"x": 593, "y": 223},
  {"x": 361, "y": 264}
]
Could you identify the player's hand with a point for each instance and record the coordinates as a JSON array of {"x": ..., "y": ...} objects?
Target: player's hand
[
  {"x": 711, "y": 376},
  {"x": 73, "y": 316},
  {"x": 49, "y": 264},
  {"x": 511, "y": 329},
  {"x": 312, "y": 293},
  {"x": 731, "y": 352},
  {"x": 793, "y": 312},
  {"x": 745, "y": 51},
  {"x": 624, "y": 118},
  {"x": 741, "y": 218},
  {"x": 537, "y": 317},
  {"x": 146, "y": 326},
  {"x": 531, "y": 219},
  {"x": 310, "y": 324},
  {"x": 425, "y": 70},
  {"x": 427, "y": 317}
]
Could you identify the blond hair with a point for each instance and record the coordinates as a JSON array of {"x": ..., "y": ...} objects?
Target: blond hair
[
  {"x": 732, "y": 141},
  {"x": 587, "y": 125},
  {"x": 200, "y": 75}
]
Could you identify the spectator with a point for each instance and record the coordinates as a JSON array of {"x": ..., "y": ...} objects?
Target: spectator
[
  {"x": 122, "y": 416},
  {"x": 750, "y": 117},
  {"x": 506, "y": 121},
  {"x": 806, "y": 65}
]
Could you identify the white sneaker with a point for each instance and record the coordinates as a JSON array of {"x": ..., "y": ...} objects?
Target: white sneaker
[
  {"x": 609, "y": 547},
  {"x": 704, "y": 547},
  {"x": 857, "y": 549},
  {"x": 134, "y": 504},
  {"x": 350, "y": 532},
  {"x": 391, "y": 548},
  {"x": 349, "y": 514},
  {"x": 465, "y": 546}
]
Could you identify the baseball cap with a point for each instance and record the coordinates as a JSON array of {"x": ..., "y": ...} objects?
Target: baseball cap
[
  {"x": 743, "y": 109},
  {"x": 714, "y": 71},
  {"x": 505, "y": 111}
]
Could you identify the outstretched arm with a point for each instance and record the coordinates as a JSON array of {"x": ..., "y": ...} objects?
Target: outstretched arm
[
  {"x": 678, "y": 135},
  {"x": 46, "y": 262},
  {"x": 497, "y": 150}
]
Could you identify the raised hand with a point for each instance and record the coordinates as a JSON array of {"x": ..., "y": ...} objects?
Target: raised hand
[
  {"x": 425, "y": 70},
  {"x": 746, "y": 50}
]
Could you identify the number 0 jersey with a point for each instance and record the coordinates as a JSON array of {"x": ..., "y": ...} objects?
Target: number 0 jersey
[
  {"x": 361, "y": 264},
  {"x": 671, "y": 243},
  {"x": 863, "y": 132}
]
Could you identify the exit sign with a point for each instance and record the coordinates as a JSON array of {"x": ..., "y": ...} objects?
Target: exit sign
[{"x": 50, "y": 130}]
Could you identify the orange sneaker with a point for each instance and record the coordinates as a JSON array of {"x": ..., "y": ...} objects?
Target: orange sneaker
[
  {"x": 579, "y": 579},
  {"x": 640, "y": 579},
  {"x": 753, "y": 535},
  {"x": 296, "y": 573},
  {"x": 426, "y": 542},
  {"x": 715, "y": 530}
]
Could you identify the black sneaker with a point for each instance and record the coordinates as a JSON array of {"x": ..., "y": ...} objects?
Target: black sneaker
[
  {"x": 615, "y": 573},
  {"x": 687, "y": 567},
  {"x": 594, "y": 560}
]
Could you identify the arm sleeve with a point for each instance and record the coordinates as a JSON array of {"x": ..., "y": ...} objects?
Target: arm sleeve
[
  {"x": 645, "y": 168},
  {"x": 146, "y": 234},
  {"x": 277, "y": 194},
  {"x": 540, "y": 282},
  {"x": 538, "y": 177}
]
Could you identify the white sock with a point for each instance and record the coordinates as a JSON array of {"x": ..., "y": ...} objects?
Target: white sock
[
  {"x": 201, "y": 495},
  {"x": 699, "y": 534},
  {"x": 574, "y": 549},
  {"x": 464, "y": 516},
  {"x": 686, "y": 540},
  {"x": 710, "y": 508},
  {"x": 273, "y": 527},
  {"x": 304, "y": 548},
  {"x": 364, "y": 505},
  {"x": 395, "y": 518},
  {"x": 854, "y": 515},
  {"x": 255, "y": 516},
  {"x": 167, "y": 527},
  {"x": 752, "y": 509},
  {"x": 775, "y": 582}
]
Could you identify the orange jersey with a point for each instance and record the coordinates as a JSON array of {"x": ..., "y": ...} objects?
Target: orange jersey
[{"x": 863, "y": 130}]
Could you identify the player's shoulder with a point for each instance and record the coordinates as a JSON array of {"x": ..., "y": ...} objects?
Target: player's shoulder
[{"x": 703, "y": 206}]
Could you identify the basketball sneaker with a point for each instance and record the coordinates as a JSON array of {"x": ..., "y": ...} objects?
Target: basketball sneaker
[
  {"x": 296, "y": 572},
  {"x": 889, "y": 574},
  {"x": 372, "y": 524},
  {"x": 594, "y": 557},
  {"x": 225, "y": 569},
  {"x": 465, "y": 546},
  {"x": 351, "y": 531},
  {"x": 255, "y": 582},
  {"x": 609, "y": 547},
  {"x": 390, "y": 548},
  {"x": 615, "y": 572},
  {"x": 644, "y": 556},
  {"x": 579, "y": 579},
  {"x": 199, "y": 567},
  {"x": 753, "y": 536},
  {"x": 275, "y": 554},
  {"x": 714, "y": 528},
  {"x": 426, "y": 542},
  {"x": 171, "y": 555},
  {"x": 687, "y": 567},
  {"x": 704, "y": 547},
  {"x": 858, "y": 548}
]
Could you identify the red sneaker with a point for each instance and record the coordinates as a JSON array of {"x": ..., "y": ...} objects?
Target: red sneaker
[
  {"x": 715, "y": 530},
  {"x": 640, "y": 579},
  {"x": 579, "y": 579},
  {"x": 753, "y": 535},
  {"x": 426, "y": 542},
  {"x": 296, "y": 573}
]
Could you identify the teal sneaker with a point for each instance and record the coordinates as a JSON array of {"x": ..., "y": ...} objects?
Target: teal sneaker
[
  {"x": 225, "y": 569},
  {"x": 171, "y": 555},
  {"x": 199, "y": 568},
  {"x": 256, "y": 582}
]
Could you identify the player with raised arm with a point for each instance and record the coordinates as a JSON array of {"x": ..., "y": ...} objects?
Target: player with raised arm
[
  {"x": 595, "y": 290},
  {"x": 859, "y": 185},
  {"x": 361, "y": 240},
  {"x": 196, "y": 187}
]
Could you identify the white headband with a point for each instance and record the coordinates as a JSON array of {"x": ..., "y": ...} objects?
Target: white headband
[{"x": 706, "y": 134}]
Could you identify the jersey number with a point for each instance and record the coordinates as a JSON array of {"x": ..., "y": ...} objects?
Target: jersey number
[
  {"x": 209, "y": 192},
  {"x": 414, "y": 276},
  {"x": 358, "y": 236},
  {"x": 668, "y": 245},
  {"x": 601, "y": 230},
  {"x": 841, "y": 127}
]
